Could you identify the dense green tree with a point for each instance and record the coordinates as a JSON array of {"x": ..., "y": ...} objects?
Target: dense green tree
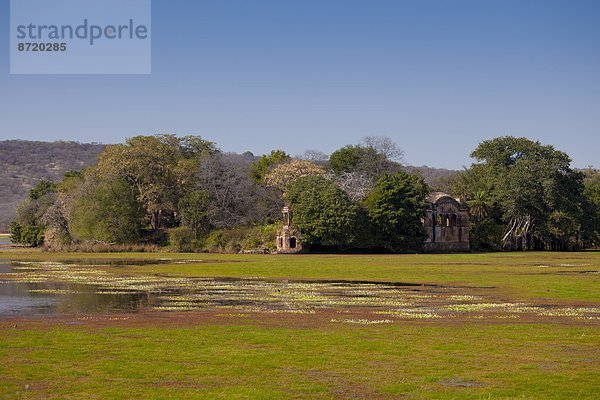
[
  {"x": 15, "y": 232},
  {"x": 106, "y": 209},
  {"x": 323, "y": 212},
  {"x": 356, "y": 168},
  {"x": 395, "y": 208},
  {"x": 536, "y": 191},
  {"x": 182, "y": 238},
  {"x": 348, "y": 158},
  {"x": 476, "y": 188},
  {"x": 591, "y": 208},
  {"x": 592, "y": 185},
  {"x": 193, "y": 211}
]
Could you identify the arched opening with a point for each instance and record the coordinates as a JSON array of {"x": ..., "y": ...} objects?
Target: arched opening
[
  {"x": 292, "y": 242},
  {"x": 447, "y": 220},
  {"x": 439, "y": 219},
  {"x": 454, "y": 220}
]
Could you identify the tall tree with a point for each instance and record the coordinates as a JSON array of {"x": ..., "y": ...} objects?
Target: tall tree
[
  {"x": 395, "y": 207},
  {"x": 159, "y": 167},
  {"x": 536, "y": 191},
  {"x": 105, "y": 209},
  {"x": 591, "y": 208},
  {"x": 323, "y": 212}
]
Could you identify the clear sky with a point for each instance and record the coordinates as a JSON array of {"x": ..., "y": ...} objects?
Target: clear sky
[{"x": 436, "y": 76}]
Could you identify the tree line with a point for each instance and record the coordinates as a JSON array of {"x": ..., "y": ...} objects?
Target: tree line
[{"x": 187, "y": 193}]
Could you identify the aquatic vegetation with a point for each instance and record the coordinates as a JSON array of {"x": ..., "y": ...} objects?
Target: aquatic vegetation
[
  {"x": 52, "y": 291},
  {"x": 255, "y": 295},
  {"x": 483, "y": 307},
  {"x": 363, "y": 321},
  {"x": 464, "y": 297}
]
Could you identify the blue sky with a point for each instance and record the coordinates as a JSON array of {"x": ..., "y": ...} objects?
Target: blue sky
[{"x": 436, "y": 76}]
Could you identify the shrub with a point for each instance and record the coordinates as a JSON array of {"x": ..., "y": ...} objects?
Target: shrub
[
  {"x": 249, "y": 238},
  {"x": 182, "y": 238}
]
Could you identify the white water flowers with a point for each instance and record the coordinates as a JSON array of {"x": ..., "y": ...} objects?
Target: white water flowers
[
  {"x": 363, "y": 321},
  {"x": 257, "y": 295}
]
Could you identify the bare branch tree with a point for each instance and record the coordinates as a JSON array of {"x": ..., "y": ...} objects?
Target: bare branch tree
[
  {"x": 356, "y": 184},
  {"x": 316, "y": 156},
  {"x": 385, "y": 146}
]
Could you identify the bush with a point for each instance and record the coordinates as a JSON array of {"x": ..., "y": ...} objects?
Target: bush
[
  {"x": 260, "y": 238},
  {"x": 182, "y": 238},
  {"x": 216, "y": 242},
  {"x": 15, "y": 232},
  {"x": 56, "y": 239},
  {"x": 97, "y": 247},
  {"x": 28, "y": 235},
  {"x": 486, "y": 235}
]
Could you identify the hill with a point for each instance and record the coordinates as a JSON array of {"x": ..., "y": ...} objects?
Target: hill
[
  {"x": 24, "y": 163},
  {"x": 438, "y": 179}
]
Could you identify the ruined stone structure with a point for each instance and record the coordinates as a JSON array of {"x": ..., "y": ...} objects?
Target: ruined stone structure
[
  {"x": 446, "y": 223},
  {"x": 288, "y": 238}
]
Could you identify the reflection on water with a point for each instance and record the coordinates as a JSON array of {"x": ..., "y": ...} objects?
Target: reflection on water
[
  {"x": 83, "y": 286},
  {"x": 28, "y": 297},
  {"x": 30, "y": 288}
]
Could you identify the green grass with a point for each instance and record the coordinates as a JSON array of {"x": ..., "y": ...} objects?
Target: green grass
[
  {"x": 418, "y": 360},
  {"x": 269, "y": 357}
]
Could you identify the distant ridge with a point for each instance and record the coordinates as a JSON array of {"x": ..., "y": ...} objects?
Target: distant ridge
[{"x": 24, "y": 163}]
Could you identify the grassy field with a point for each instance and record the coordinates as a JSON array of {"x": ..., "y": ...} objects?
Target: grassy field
[{"x": 253, "y": 355}]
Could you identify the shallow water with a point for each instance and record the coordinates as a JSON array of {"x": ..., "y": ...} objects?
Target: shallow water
[
  {"x": 21, "y": 298},
  {"x": 28, "y": 288},
  {"x": 87, "y": 286},
  {"x": 83, "y": 286}
]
